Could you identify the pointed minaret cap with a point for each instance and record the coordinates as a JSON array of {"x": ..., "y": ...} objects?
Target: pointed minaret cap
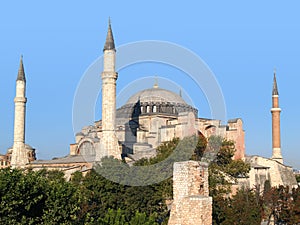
[
  {"x": 109, "y": 43},
  {"x": 21, "y": 73},
  {"x": 275, "y": 89}
]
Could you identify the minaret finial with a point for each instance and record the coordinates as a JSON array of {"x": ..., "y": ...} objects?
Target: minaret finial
[
  {"x": 155, "y": 83},
  {"x": 21, "y": 73},
  {"x": 275, "y": 89},
  {"x": 109, "y": 43}
]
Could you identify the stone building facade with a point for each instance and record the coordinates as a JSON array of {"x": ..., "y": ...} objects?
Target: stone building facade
[
  {"x": 192, "y": 204},
  {"x": 154, "y": 116},
  {"x": 267, "y": 169}
]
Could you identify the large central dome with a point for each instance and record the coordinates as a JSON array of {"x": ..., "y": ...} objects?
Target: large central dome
[
  {"x": 157, "y": 95},
  {"x": 154, "y": 101}
]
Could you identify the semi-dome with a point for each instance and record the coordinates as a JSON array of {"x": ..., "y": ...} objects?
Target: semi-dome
[{"x": 158, "y": 95}]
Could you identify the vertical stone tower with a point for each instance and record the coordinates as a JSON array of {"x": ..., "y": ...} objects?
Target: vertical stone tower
[
  {"x": 192, "y": 204},
  {"x": 19, "y": 155},
  {"x": 276, "y": 123},
  {"x": 109, "y": 141}
]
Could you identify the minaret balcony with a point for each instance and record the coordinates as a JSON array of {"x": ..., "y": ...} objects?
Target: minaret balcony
[
  {"x": 276, "y": 110},
  {"x": 20, "y": 99}
]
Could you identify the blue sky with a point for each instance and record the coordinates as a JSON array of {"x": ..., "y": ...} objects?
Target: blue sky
[{"x": 241, "y": 42}]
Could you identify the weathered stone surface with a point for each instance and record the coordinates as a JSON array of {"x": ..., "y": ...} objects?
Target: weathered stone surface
[
  {"x": 263, "y": 169},
  {"x": 192, "y": 204},
  {"x": 20, "y": 155}
]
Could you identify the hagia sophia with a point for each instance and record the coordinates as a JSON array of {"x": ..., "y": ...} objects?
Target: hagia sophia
[{"x": 134, "y": 131}]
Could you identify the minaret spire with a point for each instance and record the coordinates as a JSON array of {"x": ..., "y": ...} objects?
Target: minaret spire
[
  {"x": 21, "y": 73},
  {"x": 275, "y": 89},
  {"x": 109, "y": 43},
  {"x": 276, "y": 143}
]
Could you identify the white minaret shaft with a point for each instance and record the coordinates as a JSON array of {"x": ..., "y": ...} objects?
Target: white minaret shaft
[
  {"x": 109, "y": 140},
  {"x": 276, "y": 144},
  {"x": 19, "y": 155}
]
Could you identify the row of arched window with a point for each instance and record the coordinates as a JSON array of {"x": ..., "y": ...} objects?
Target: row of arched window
[
  {"x": 153, "y": 108},
  {"x": 163, "y": 108}
]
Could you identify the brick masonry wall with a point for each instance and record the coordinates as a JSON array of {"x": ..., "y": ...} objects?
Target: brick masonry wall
[{"x": 192, "y": 204}]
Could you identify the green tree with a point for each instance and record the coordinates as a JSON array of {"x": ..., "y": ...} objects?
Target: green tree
[
  {"x": 22, "y": 196},
  {"x": 142, "y": 219},
  {"x": 200, "y": 148},
  {"x": 62, "y": 204},
  {"x": 282, "y": 204},
  {"x": 101, "y": 195},
  {"x": 223, "y": 170},
  {"x": 42, "y": 197},
  {"x": 242, "y": 208},
  {"x": 113, "y": 217},
  {"x": 295, "y": 210},
  {"x": 116, "y": 217},
  {"x": 223, "y": 173}
]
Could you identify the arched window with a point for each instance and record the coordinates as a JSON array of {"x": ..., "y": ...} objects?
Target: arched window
[
  {"x": 169, "y": 109},
  {"x": 148, "y": 109},
  {"x": 154, "y": 109},
  {"x": 163, "y": 108},
  {"x": 86, "y": 148}
]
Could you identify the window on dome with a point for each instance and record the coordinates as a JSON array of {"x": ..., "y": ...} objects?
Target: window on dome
[{"x": 154, "y": 109}]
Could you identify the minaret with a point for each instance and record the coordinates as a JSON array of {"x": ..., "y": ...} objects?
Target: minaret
[
  {"x": 109, "y": 141},
  {"x": 19, "y": 156},
  {"x": 276, "y": 123}
]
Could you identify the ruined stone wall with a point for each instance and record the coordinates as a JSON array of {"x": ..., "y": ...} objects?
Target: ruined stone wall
[{"x": 192, "y": 204}]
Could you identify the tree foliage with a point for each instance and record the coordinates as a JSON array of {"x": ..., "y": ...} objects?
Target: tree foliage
[
  {"x": 116, "y": 217},
  {"x": 223, "y": 170},
  {"x": 242, "y": 208},
  {"x": 45, "y": 197},
  {"x": 282, "y": 205},
  {"x": 37, "y": 197}
]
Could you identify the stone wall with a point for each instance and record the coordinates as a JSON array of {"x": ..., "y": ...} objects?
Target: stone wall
[
  {"x": 192, "y": 204},
  {"x": 263, "y": 169},
  {"x": 236, "y": 133}
]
